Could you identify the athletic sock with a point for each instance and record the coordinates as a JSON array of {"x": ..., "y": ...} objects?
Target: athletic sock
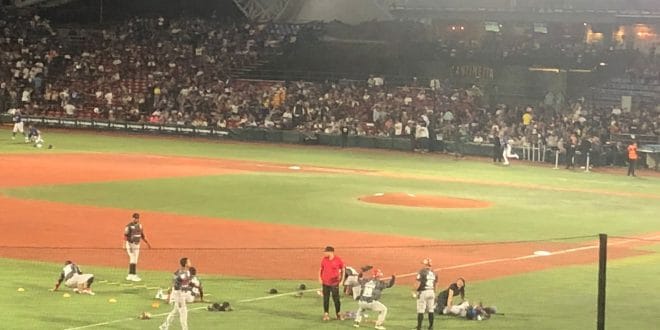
[
  {"x": 431, "y": 317},
  {"x": 131, "y": 269},
  {"x": 420, "y": 319}
]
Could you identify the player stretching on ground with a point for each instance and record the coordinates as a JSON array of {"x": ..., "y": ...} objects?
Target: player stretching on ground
[
  {"x": 74, "y": 278},
  {"x": 18, "y": 125},
  {"x": 133, "y": 233},
  {"x": 180, "y": 290},
  {"x": 425, "y": 293},
  {"x": 370, "y": 298},
  {"x": 34, "y": 136}
]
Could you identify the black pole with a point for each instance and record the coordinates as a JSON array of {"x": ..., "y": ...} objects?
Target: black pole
[
  {"x": 602, "y": 270},
  {"x": 100, "y": 11}
]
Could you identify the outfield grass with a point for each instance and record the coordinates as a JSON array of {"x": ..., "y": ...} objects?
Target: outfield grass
[
  {"x": 554, "y": 299},
  {"x": 331, "y": 200}
]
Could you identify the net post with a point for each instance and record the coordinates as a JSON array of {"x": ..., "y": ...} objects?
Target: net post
[
  {"x": 556, "y": 159},
  {"x": 602, "y": 270}
]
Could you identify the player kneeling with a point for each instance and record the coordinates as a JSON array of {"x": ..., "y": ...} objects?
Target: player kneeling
[
  {"x": 196, "y": 293},
  {"x": 370, "y": 297},
  {"x": 34, "y": 136},
  {"x": 74, "y": 278}
]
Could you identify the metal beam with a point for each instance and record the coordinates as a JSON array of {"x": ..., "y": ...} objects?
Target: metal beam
[{"x": 262, "y": 10}]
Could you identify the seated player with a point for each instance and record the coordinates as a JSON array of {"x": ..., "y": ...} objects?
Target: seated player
[
  {"x": 74, "y": 278},
  {"x": 196, "y": 292}
]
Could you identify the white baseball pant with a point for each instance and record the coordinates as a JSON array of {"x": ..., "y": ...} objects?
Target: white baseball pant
[
  {"x": 133, "y": 251},
  {"x": 178, "y": 298},
  {"x": 426, "y": 302},
  {"x": 375, "y": 306}
]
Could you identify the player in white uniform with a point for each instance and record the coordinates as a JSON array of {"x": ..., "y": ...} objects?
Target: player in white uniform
[
  {"x": 180, "y": 291},
  {"x": 133, "y": 234},
  {"x": 34, "y": 136},
  {"x": 18, "y": 125},
  {"x": 425, "y": 293},
  {"x": 196, "y": 292},
  {"x": 74, "y": 278},
  {"x": 371, "y": 290}
]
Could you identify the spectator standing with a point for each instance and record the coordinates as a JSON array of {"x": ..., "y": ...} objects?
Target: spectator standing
[{"x": 330, "y": 276}]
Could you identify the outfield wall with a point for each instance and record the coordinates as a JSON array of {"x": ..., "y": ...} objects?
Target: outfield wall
[{"x": 284, "y": 136}]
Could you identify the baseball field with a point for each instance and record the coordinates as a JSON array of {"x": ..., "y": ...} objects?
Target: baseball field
[{"x": 253, "y": 217}]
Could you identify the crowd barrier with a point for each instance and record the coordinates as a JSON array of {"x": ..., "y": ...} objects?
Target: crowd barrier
[{"x": 534, "y": 153}]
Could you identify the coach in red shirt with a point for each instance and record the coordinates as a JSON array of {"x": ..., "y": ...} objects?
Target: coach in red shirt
[{"x": 330, "y": 276}]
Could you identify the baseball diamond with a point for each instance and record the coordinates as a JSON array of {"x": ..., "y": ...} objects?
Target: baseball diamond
[{"x": 329, "y": 164}]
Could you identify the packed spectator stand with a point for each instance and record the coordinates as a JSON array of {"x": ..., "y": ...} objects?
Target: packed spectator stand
[{"x": 179, "y": 72}]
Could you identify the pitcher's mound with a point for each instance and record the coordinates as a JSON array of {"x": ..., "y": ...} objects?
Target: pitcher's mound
[{"x": 413, "y": 200}]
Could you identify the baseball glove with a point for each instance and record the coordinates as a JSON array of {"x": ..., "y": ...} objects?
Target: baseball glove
[{"x": 144, "y": 316}]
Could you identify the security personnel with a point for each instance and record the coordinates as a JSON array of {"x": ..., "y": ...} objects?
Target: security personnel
[{"x": 632, "y": 158}]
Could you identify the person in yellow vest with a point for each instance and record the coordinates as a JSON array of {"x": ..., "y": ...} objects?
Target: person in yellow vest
[{"x": 632, "y": 158}]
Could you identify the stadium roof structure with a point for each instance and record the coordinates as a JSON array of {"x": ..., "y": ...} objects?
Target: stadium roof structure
[
  {"x": 358, "y": 11},
  {"x": 299, "y": 11}
]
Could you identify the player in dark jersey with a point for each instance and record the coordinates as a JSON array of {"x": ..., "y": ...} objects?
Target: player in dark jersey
[
  {"x": 133, "y": 234},
  {"x": 18, "y": 125},
  {"x": 74, "y": 278},
  {"x": 371, "y": 290},
  {"x": 427, "y": 280},
  {"x": 180, "y": 291}
]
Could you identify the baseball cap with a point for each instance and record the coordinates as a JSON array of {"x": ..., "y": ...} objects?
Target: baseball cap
[
  {"x": 427, "y": 262},
  {"x": 329, "y": 249}
]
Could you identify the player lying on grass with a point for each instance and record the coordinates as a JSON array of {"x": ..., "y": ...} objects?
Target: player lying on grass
[
  {"x": 475, "y": 313},
  {"x": 74, "y": 278},
  {"x": 371, "y": 290}
]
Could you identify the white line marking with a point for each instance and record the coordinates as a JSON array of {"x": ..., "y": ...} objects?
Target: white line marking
[
  {"x": 471, "y": 264},
  {"x": 126, "y": 319}
]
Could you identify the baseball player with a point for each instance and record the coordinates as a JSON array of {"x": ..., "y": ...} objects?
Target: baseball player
[
  {"x": 425, "y": 293},
  {"x": 133, "y": 234},
  {"x": 506, "y": 150},
  {"x": 352, "y": 280},
  {"x": 34, "y": 136},
  {"x": 180, "y": 290},
  {"x": 74, "y": 278},
  {"x": 196, "y": 292},
  {"x": 371, "y": 290},
  {"x": 18, "y": 125}
]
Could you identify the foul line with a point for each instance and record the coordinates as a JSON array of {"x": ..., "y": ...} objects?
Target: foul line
[
  {"x": 530, "y": 256},
  {"x": 471, "y": 264}
]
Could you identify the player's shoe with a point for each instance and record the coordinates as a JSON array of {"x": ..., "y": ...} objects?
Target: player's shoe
[
  {"x": 380, "y": 327},
  {"x": 340, "y": 317},
  {"x": 89, "y": 292},
  {"x": 76, "y": 290},
  {"x": 356, "y": 325},
  {"x": 136, "y": 278},
  {"x": 326, "y": 317},
  {"x": 13, "y": 138},
  {"x": 129, "y": 277}
]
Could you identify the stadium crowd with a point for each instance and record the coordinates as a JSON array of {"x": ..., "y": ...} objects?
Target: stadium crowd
[{"x": 178, "y": 72}]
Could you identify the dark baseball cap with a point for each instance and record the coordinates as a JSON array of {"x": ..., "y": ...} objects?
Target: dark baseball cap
[{"x": 329, "y": 249}]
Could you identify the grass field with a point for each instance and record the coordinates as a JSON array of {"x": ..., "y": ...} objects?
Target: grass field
[{"x": 529, "y": 203}]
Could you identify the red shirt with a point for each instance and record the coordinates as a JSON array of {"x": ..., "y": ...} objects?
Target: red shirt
[{"x": 331, "y": 270}]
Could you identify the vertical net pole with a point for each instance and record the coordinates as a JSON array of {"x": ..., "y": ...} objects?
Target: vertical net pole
[{"x": 602, "y": 270}]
